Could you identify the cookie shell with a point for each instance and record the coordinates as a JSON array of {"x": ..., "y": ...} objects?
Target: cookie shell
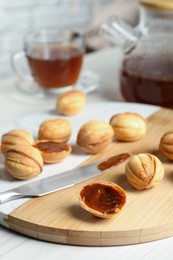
[
  {"x": 52, "y": 151},
  {"x": 103, "y": 199}
]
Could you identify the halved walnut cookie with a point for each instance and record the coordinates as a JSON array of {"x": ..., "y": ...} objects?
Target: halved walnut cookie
[
  {"x": 52, "y": 151},
  {"x": 103, "y": 199}
]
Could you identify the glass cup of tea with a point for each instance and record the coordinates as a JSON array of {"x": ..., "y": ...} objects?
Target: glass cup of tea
[{"x": 55, "y": 58}]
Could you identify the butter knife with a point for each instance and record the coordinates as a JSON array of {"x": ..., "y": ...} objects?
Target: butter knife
[{"x": 62, "y": 180}]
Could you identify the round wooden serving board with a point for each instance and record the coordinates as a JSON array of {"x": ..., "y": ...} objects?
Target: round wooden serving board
[{"x": 147, "y": 215}]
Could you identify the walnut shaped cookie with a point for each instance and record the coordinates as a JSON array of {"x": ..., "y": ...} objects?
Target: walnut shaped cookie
[
  {"x": 94, "y": 136},
  {"x": 23, "y": 161},
  {"x": 57, "y": 129},
  {"x": 128, "y": 126},
  {"x": 71, "y": 102},
  {"x": 166, "y": 144},
  {"x": 144, "y": 170},
  {"x": 15, "y": 136}
]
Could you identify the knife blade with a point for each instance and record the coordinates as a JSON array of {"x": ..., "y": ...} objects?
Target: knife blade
[{"x": 61, "y": 180}]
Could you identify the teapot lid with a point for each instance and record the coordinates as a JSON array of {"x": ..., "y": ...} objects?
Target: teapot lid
[{"x": 158, "y": 4}]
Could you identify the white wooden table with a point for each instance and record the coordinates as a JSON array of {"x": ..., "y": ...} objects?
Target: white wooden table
[{"x": 16, "y": 246}]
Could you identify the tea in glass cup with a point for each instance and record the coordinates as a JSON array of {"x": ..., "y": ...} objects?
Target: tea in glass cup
[{"x": 54, "y": 56}]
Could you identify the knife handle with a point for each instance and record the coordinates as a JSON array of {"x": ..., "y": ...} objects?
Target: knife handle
[{"x": 8, "y": 196}]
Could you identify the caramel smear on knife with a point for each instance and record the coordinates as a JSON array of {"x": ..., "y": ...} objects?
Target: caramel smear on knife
[{"x": 113, "y": 161}]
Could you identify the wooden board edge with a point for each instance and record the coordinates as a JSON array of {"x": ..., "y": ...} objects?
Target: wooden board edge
[{"x": 80, "y": 238}]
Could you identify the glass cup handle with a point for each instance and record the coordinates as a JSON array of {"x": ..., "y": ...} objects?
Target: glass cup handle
[{"x": 17, "y": 66}]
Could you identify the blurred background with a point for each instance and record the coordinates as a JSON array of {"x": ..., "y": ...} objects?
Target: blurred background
[{"x": 19, "y": 16}]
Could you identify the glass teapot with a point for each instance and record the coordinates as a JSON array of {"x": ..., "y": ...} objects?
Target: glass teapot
[{"x": 147, "y": 69}]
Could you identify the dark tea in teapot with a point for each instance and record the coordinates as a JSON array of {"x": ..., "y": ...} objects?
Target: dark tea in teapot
[
  {"x": 147, "y": 69},
  {"x": 148, "y": 79}
]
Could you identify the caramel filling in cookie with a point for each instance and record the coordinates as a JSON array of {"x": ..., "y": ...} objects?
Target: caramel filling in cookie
[{"x": 50, "y": 146}]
